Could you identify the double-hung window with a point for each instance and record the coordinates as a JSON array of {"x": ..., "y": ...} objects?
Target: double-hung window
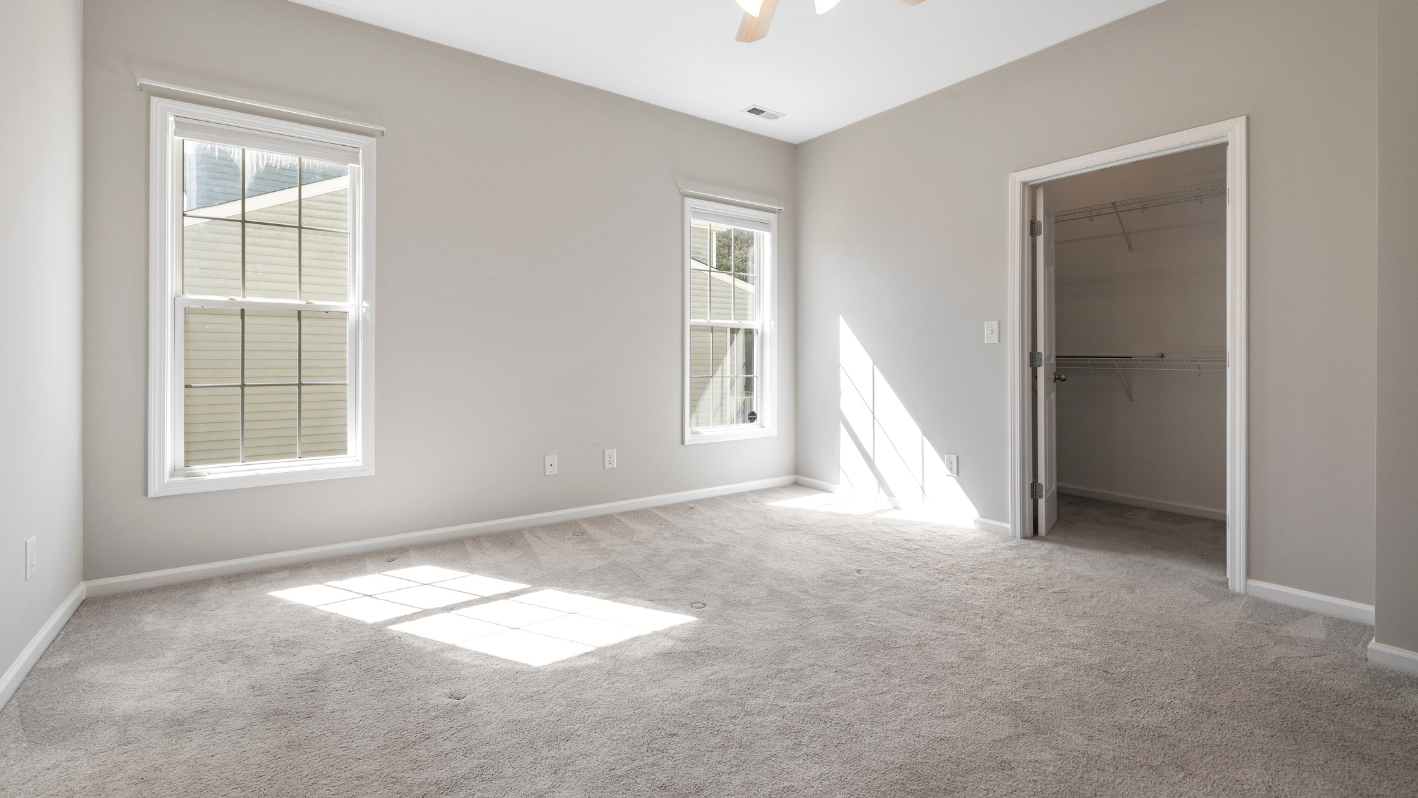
[
  {"x": 261, "y": 335},
  {"x": 729, "y": 265}
]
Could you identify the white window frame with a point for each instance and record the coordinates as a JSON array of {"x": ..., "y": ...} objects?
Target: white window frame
[
  {"x": 767, "y": 425},
  {"x": 166, "y": 474}
]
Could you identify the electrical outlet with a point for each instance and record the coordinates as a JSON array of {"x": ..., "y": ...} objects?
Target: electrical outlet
[
  {"x": 29, "y": 559},
  {"x": 551, "y": 465},
  {"x": 991, "y": 332},
  {"x": 952, "y": 465},
  {"x": 610, "y": 458}
]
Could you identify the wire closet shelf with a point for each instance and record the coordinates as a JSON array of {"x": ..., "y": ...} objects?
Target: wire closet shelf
[
  {"x": 1195, "y": 363},
  {"x": 1197, "y": 194}
]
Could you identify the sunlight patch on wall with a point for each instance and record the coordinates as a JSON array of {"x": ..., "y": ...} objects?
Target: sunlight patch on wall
[
  {"x": 883, "y": 452},
  {"x": 534, "y": 629}
]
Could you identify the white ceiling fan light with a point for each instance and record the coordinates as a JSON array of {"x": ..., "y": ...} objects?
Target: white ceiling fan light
[{"x": 758, "y": 15}]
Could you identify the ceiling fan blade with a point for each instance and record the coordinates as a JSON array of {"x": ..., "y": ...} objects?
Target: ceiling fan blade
[
  {"x": 913, "y": 2},
  {"x": 754, "y": 28}
]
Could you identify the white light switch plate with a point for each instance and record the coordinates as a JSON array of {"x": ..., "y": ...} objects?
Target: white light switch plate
[
  {"x": 991, "y": 332},
  {"x": 952, "y": 465},
  {"x": 551, "y": 465},
  {"x": 610, "y": 458}
]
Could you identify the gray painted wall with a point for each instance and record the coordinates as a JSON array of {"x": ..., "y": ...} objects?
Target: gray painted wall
[
  {"x": 40, "y": 314},
  {"x": 903, "y": 234},
  {"x": 1397, "y": 608},
  {"x": 529, "y": 282}
]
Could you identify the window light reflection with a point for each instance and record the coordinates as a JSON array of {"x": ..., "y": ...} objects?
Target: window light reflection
[{"x": 536, "y": 628}]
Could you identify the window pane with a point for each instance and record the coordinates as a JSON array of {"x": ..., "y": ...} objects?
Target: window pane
[
  {"x": 211, "y": 258},
  {"x": 323, "y": 346},
  {"x": 700, "y": 352},
  {"x": 271, "y": 261},
  {"x": 701, "y": 412},
  {"x": 745, "y": 298},
  {"x": 211, "y": 179},
  {"x": 718, "y": 398},
  {"x": 270, "y": 415},
  {"x": 271, "y": 346},
  {"x": 721, "y": 297},
  {"x": 212, "y": 426},
  {"x": 699, "y": 245},
  {"x": 719, "y": 366},
  {"x": 324, "y": 195},
  {"x": 741, "y": 352},
  {"x": 323, "y": 420},
  {"x": 740, "y": 399},
  {"x": 212, "y": 347},
  {"x": 723, "y": 248},
  {"x": 324, "y": 266},
  {"x": 699, "y": 294},
  {"x": 744, "y": 251},
  {"x": 271, "y": 194}
]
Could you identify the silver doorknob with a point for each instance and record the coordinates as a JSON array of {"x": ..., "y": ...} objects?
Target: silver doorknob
[{"x": 1060, "y": 377}]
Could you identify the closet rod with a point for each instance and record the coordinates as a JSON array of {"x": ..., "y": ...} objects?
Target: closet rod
[{"x": 1196, "y": 194}]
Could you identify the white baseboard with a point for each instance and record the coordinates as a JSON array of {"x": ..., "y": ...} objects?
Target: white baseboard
[
  {"x": 1142, "y": 501},
  {"x": 1314, "y": 602},
  {"x": 20, "y": 668},
  {"x": 1399, "y": 659},
  {"x": 192, "y": 573},
  {"x": 817, "y": 484},
  {"x": 984, "y": 524},
  {"x": 992, "y": 526}
]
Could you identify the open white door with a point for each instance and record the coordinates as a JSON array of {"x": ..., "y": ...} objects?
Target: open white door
[{"x": 1046, "y": 387}]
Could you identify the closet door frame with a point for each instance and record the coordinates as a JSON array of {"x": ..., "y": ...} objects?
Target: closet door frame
[{"x": 1231, "y": 132}]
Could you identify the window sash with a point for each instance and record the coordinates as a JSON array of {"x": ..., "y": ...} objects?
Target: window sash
[
  {"x": 764, "y": 227},
  {"x": 168, "y": 472}
]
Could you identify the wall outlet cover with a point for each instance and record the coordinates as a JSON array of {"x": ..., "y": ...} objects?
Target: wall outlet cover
[
  {"x": 30, "y": 562},
  {"x": 609, "y": 458},
  {"x": 550, "y": 465},
  {"x": 952, "y": 465}
]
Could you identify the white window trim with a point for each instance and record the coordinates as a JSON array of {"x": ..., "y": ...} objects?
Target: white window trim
[
  {"x": 767, "y": 425},
  {"x": 165, "y": 357}
]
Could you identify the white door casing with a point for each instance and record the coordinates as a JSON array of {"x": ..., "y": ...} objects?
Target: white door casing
[{"x": 1019, "y": 334}]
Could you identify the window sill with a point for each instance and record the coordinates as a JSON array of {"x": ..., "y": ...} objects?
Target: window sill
[
  {"x": 274, "y": 474},
  {"x": 720, "y": 434}
]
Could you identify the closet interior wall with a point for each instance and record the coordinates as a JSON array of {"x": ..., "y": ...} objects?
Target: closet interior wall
[{"x": 1139, "y": 435}]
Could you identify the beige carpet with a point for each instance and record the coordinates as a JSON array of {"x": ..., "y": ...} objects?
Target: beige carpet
[{"x": 831, "y": 655}]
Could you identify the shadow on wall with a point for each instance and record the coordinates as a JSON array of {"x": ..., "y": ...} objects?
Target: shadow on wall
[{"x": 887, "y": 467}]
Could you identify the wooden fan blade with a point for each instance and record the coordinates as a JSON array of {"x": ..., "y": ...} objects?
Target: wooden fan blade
[{"x": 754, "y": 28}]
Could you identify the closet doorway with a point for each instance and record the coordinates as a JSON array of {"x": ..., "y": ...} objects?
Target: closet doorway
[{"x": 1128, "y": 333}]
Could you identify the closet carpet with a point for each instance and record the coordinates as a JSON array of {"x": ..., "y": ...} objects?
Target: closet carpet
[{"x": 833, "y": 655}]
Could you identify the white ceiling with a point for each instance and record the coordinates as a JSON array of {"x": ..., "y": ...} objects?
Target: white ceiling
[{"x": 823, "y": 72}]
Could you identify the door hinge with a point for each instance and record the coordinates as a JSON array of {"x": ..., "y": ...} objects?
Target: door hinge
[
  {"x": 1036, "y": 227},
  {"x": 1036, "y": 360},
  {"x": 1036, "y": 490}
]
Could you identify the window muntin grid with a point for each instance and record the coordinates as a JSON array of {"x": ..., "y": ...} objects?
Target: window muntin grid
[
  {"x": 725, "y": 273},
  {"x": 259, "y": 224},
  {"x": 262, "y": 384}
]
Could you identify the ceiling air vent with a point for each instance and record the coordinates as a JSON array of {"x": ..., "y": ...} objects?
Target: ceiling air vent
[{"x": 762, "y": 113}]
